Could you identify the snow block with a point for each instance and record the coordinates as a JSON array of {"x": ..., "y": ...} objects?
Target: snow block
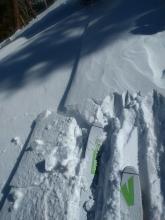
[{"x": 48, "y": 172}]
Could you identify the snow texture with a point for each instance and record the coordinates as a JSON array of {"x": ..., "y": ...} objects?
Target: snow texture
[
  {"x": 97, "y": 74},
  {"x": 58, "y": 175}
]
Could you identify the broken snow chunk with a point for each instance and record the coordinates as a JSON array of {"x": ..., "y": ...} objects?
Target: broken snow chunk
[
  {"x": 43, "y": 115},
  {"x": 67, "y": 152},
  {"x": 107, "y": 106},
  {"x": 16, "y": 197},
  {"x": 89, "y": 204},
  {"x": 139, "y": 97},
  {"x": 77, "y": 132},
  {"x": 105, "y": 111},
  {"x": 50, "y": 161},
  {"x": 16, "y": 141},
  {"x": 135, "y": 95},
  {"x": 39, "y": 142},
  {"x": 90, "y": 110},
  {"x": 100, "y": 118},
  {"x": 37, "y": 145},
  {"x": 136, "y": 106},
  {"x": 47, "y": 113},
  {"x": 131, "y": 100}
]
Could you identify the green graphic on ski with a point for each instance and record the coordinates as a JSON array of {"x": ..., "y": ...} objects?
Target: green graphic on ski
[
  {"x": 128, "y": 191},
  {"x": 94, "y": 156},
  {"x": 130, "y": 195}
]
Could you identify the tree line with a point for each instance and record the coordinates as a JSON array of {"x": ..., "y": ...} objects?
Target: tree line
[{"x": 17, "y": 13}]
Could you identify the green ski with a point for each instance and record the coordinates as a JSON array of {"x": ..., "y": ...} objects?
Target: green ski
[{"x": 130, "y": 194}]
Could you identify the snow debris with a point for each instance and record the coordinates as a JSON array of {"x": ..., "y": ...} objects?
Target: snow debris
[
  {"x": 89, "y": 204},
  {"x": 105, "y": 111},
  {"x": 17, "y": 195},
  {"x": 90, "y": 111},
  {"x": 65, "y": 154},
  {"x": 43, "y": 115},
  {"x": 107, "y": 106},
  {"x": 47, "y": 113},
  {"x": 16, "y": 141},
  {"x": 39, "y": 142},
  {"x": 37, "y": 145},
  {"x": 51, "y": 160}
]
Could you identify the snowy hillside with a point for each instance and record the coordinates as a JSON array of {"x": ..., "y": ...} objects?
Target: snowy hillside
[{"x": 82, "y": 95}]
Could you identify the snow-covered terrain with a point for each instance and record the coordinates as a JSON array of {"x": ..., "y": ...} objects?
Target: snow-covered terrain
[
  {"x": 33, "y": 78},
  {"x": 97, "y": 74}
]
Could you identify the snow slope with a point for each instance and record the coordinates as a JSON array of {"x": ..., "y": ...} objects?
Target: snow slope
[
  {"x": 100, "y": 70},
  {"x": 113, "y": 58},
  {"x": 33, "y": 77}
]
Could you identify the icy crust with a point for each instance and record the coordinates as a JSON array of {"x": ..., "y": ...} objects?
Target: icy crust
[{"x": 47, "y": 178}]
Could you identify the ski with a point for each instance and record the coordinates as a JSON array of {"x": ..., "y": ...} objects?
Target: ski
[
  {"x": 130, "y": 195},
  {"x": 90, "y": 166}
]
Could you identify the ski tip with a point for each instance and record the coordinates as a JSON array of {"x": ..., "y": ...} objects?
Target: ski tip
[{"x": 131, "y": 170}]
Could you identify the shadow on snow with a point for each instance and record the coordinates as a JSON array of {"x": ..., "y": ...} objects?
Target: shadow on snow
[{"x": 59, "y": 43}]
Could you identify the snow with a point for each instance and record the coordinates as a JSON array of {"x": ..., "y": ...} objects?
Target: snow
[
  {"x": 51, "y": 177},
  {"x": 74, "y": 77},
  {"x": 151, "y": 144},
  {"x": 16, "y": 141},
  {"x": 17, "y": 195},
  {"x": 9, "y": 49},
  {"x": 50, "y": 161},
  {"x": 31, "y": 83}
]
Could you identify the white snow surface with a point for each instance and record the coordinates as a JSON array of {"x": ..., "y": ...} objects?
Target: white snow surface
[
  {"x": 74, "y": 77},
  {"x": 31, "y": 83}
]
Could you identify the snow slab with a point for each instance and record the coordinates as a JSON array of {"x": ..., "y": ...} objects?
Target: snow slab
[{"x": 37, "y": 190}]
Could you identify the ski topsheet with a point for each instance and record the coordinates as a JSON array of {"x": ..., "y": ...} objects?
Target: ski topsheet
[
  {"x": 90, "y": 164},
  {"x": 130, "y": 194}
]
